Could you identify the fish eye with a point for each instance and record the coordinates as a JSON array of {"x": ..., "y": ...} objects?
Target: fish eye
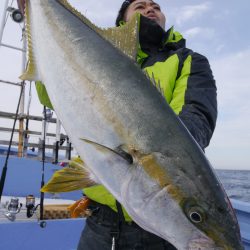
[{"x": 196, "y": 215}]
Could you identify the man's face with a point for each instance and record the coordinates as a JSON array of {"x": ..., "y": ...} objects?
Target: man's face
[{"x": 147, "y": 8}]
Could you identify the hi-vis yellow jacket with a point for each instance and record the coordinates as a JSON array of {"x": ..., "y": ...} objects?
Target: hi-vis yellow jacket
[{"x": 187, "y": 83}]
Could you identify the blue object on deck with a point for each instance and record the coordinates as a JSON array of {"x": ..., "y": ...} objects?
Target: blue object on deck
[
  {"x": 57, "y": 235},
  {"x": 242, "y": 210},
  {"x": 24, "y": 178}
]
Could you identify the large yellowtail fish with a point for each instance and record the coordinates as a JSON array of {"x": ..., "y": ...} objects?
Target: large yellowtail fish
[{"x": 128, "y": 136}]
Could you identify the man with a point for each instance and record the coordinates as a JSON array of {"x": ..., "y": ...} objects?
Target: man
[{"x": 188, "y": 86}]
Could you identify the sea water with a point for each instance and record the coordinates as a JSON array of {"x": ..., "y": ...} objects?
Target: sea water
[{"x": 236, "y": 183}]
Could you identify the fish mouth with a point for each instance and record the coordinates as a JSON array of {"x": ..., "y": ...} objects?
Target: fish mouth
[{"x": 204, "y": 244}]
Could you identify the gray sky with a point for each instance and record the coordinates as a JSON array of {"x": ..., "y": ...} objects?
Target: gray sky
[{"x": 216, "y": 29}]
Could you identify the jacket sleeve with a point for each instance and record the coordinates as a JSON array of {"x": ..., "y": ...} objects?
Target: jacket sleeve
[
  {"x": 198, "y": 111},
  {"x": 43, "y": 95}
]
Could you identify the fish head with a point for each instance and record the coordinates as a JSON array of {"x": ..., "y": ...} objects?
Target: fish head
[
  {"x": 216, "y": 221},
  {"x": 181, "y": 209}
]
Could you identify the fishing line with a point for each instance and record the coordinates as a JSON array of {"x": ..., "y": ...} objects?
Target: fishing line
[
  {"x": 4, "y": 171},
  {"x": 43, "y": 163},
  {"x": 26, "y": 136},
  {"x": 29, "y": 101}
]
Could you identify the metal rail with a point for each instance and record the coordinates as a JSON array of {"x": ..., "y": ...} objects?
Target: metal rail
[
  {"x": 11, "y": 83},
  {"x": 35, "y": 145},
  {"x": 30, "y": 132},
  {"x": 9, "y": 115}
]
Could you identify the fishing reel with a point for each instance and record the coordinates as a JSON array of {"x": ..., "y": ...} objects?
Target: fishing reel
[
  {"x": 16, "y": 14},
  {"x": 30, "y": 205},
  {"x": 13, "y": 208},
  {"x": 48, "y": 114},
  {"x": 31, "y": 209}
]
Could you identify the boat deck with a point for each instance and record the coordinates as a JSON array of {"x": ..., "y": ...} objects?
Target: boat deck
[{"x": 24, "y": 178}]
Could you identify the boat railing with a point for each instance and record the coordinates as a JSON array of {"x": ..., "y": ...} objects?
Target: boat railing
[{"x": 30, "y": 143}]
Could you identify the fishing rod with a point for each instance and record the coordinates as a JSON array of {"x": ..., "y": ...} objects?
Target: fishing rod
[
  {"x": 43, "y": 163},
  {"x": 14, "y": 207},
  {"x": 4, "y": 171}
]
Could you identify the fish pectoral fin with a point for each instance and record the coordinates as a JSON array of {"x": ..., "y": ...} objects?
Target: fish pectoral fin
[
  {"x": 118, "y": 151},
  {"x": 31, "y": 70},
  {"x": 70, "y": 178}
]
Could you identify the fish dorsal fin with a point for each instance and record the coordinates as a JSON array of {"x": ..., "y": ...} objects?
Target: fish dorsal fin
[
  {"x": 125, "y": 38},
  {"x": 31, "y": 71}
]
